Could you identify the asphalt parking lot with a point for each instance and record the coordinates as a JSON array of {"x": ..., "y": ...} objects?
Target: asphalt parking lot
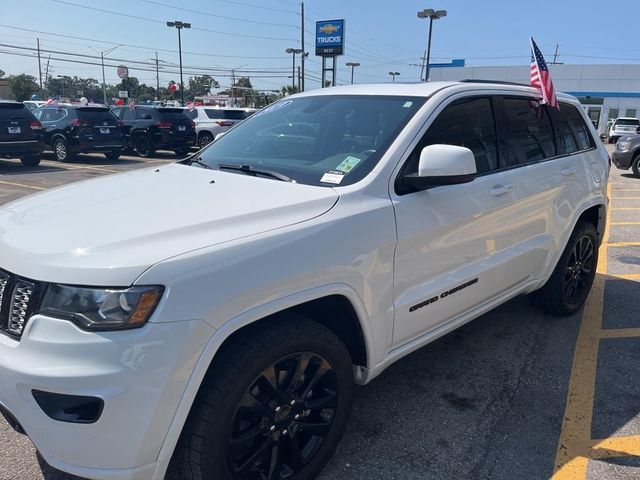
[{"x": 515, "y": 394}]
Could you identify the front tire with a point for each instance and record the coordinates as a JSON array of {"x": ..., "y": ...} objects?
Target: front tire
[
  {"x": 274, "y": 405},
  {"x": 61, "y": 150},
  {"x": 635, "y": 165},
  {"x": 31, "y": 161},
  {"x": 143, "y": 146},
  {"x": 205, "y": 139},
  {"x": 568, "y": 287},
  {"x": 113, "y": 155}
]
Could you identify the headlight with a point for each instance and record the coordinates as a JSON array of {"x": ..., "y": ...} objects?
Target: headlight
[
  {"x": 101, "y": 308},
  {"x": 623, "y": 145}
]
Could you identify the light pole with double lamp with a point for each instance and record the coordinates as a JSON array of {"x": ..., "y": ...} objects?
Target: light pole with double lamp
[
  {"x": 394, "y": 75},
  {"x": 179, "y": 26},
  {"x": 432, "y": 15},
  {"x": 352, "y": 65},
  {"x": 293, "y": 52}
]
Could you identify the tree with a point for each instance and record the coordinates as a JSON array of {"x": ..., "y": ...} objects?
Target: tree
[
  {"x": 288, "y": 90},
  {"x": 23, "y": 86},
  {"x": 200, "y": 85}
]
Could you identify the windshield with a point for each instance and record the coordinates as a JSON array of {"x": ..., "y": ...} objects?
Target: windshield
[{"x": 321, "y": 140}]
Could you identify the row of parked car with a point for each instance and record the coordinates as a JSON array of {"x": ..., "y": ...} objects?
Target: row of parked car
[{"x": 67, "y": 130}]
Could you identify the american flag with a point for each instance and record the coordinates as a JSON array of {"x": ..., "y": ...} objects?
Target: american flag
[{"x": 541, "y": 78}]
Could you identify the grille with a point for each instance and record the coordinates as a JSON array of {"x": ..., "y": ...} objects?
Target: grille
[{"x": 16, "y": 307}]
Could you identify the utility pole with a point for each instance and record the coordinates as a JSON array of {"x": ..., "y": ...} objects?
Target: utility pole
[
  {"x": 555, "y": 57},
  {"x": 157, "y": 78},
  {"x": 299, "y": 79},
  {"x": 301, "y": 86},
  {"x": 39, "y": 65},
  {"x": 46, "y": 74},
  {"x": 233, "y": 83}
]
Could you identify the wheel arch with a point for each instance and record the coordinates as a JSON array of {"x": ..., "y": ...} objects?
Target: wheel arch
[
  {"x": 597, "y": 216},
  {"x": 350, "y": 326}
]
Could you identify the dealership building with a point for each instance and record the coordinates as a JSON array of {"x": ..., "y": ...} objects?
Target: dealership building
[{"x": 605, "y": 91}]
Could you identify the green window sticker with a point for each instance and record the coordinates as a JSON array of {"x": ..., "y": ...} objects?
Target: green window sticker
[
  {"x": 348, "y": 164},
  {"x": 407, "y": 105}
]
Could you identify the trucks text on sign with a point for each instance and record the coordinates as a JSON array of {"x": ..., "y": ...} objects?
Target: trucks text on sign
[{"x": 329, "y": 38}]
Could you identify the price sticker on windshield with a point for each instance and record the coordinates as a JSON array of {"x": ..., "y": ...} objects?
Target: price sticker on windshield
[{"x": 332, "y": 176}]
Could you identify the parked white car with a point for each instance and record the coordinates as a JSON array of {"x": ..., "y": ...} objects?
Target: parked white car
[
  {"x": 218, "y": 311},
  {"x": 622, "y": 127},
  {"x": 210, "y": 121}
]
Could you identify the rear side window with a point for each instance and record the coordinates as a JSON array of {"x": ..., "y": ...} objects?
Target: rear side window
[
  {"x": 466, "y": 123},
  {"x": 144, "y": 113},
  {"x": 96, "y": 115},
  {"x": 526, "y": 135},
  {"x": 53, "y": 114},
  {"x": 226, "y": 114},
  {"x": 571, "y": 131}
]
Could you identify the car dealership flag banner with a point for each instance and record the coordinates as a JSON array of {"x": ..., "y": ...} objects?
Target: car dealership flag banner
[{"x": 540, "y": 76}]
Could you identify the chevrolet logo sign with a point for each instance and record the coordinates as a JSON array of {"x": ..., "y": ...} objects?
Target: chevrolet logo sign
[{"x": 329, "y": 29}]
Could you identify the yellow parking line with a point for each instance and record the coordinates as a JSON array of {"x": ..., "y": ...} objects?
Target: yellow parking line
[
  {"x": 624, "y": 208},
  {"x": 620, "y": 333},
  {"x": 624, "y": 244},
  {"x": 572, "y": 456},
  {"x": 629, "y": 276},
  {"x": 22, "y": 185},
  {"x": 615, "y": 447},
  {"x": 625, "y": 198},
  {"x": 625, "y": 223},
  {"x": 80, "y": 167}
]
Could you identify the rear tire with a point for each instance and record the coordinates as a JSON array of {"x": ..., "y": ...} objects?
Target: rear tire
[
  {"x": 61, "y": 150},
  {"x": 568, "y": 287},
  {"x": 142, "y": 145},
  {"x": 205, "y": 139},
  {"x": 113, "y": 155},
  {"x": 635, "y": 165},
  {"x": 243, "y": 411},
  {"x": 31, "y": 161}
]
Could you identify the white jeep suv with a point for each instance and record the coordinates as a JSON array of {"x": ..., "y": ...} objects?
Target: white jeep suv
[{"x": 210, "y": 318}]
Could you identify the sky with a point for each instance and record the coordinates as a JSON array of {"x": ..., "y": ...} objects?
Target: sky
[{"x": 251, "y": 36}]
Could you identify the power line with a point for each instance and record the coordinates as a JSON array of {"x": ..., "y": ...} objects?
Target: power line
[
  {"x": 200, "y": 12},
  {"x": 108, "y": 42},
  {"x": 152, "y": 20}
]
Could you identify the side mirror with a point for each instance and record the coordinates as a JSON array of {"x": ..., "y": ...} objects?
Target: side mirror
[{"x": 443, "y": 165}]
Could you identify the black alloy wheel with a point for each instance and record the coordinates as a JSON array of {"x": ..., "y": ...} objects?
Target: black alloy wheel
[
  {"x": 635, "y": 165},
  {"x": 143, "y": 146},
  {"x": 273, "y": 406},
  {"x": 579, "y": 271},
  {"x": 283, "y": 418},
  {"x": 568, "y": 286}
]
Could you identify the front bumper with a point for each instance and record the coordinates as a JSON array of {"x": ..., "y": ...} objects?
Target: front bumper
[
  {"x": 139, "y": 374},
  {"x": 622, "y": 159}
]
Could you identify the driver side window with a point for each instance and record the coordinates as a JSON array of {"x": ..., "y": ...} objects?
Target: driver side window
[{"x": 468, "y": 122}]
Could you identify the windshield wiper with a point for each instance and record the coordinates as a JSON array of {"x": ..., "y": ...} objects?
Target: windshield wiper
[
  {"x": 249, "y": 170},
  {"x": 199, "y": 162}
]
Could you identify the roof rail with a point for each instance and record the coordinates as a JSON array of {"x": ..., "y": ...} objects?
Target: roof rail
[{"x": 499, "y": 82}]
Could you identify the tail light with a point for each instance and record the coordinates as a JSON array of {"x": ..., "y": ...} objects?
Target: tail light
[
  {"x": 76, "y": 122},
  {"x": 224, "y": 123},
  {"x": 193, "y": 124},
  {"x": 35, "y": 125},
  {"x": 164, "y": 124}
]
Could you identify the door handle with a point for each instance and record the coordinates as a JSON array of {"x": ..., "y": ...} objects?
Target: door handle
[
  {"x": 500, "y": 190},
  {"x": 569, "y": 171}
]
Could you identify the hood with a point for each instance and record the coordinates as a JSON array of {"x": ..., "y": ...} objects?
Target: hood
[{"x": 107, "y": 231}]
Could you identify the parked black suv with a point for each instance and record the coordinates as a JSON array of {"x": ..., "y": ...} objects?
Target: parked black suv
[
  {"x": 151, "y": 128},
  {"x": 20, "y": 134},
  {"x": 71, "y": 129}
]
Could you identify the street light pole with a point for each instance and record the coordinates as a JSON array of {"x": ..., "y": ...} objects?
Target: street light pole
[
  {"x": 432, "y": 15},
  {"x": 104, "y": 82},
  {"x": 352, "y": 65},
  {"x": 179, "y": 26},
  {"x": 394, "y": 75},
  {"x": 293, "y": 52}
]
